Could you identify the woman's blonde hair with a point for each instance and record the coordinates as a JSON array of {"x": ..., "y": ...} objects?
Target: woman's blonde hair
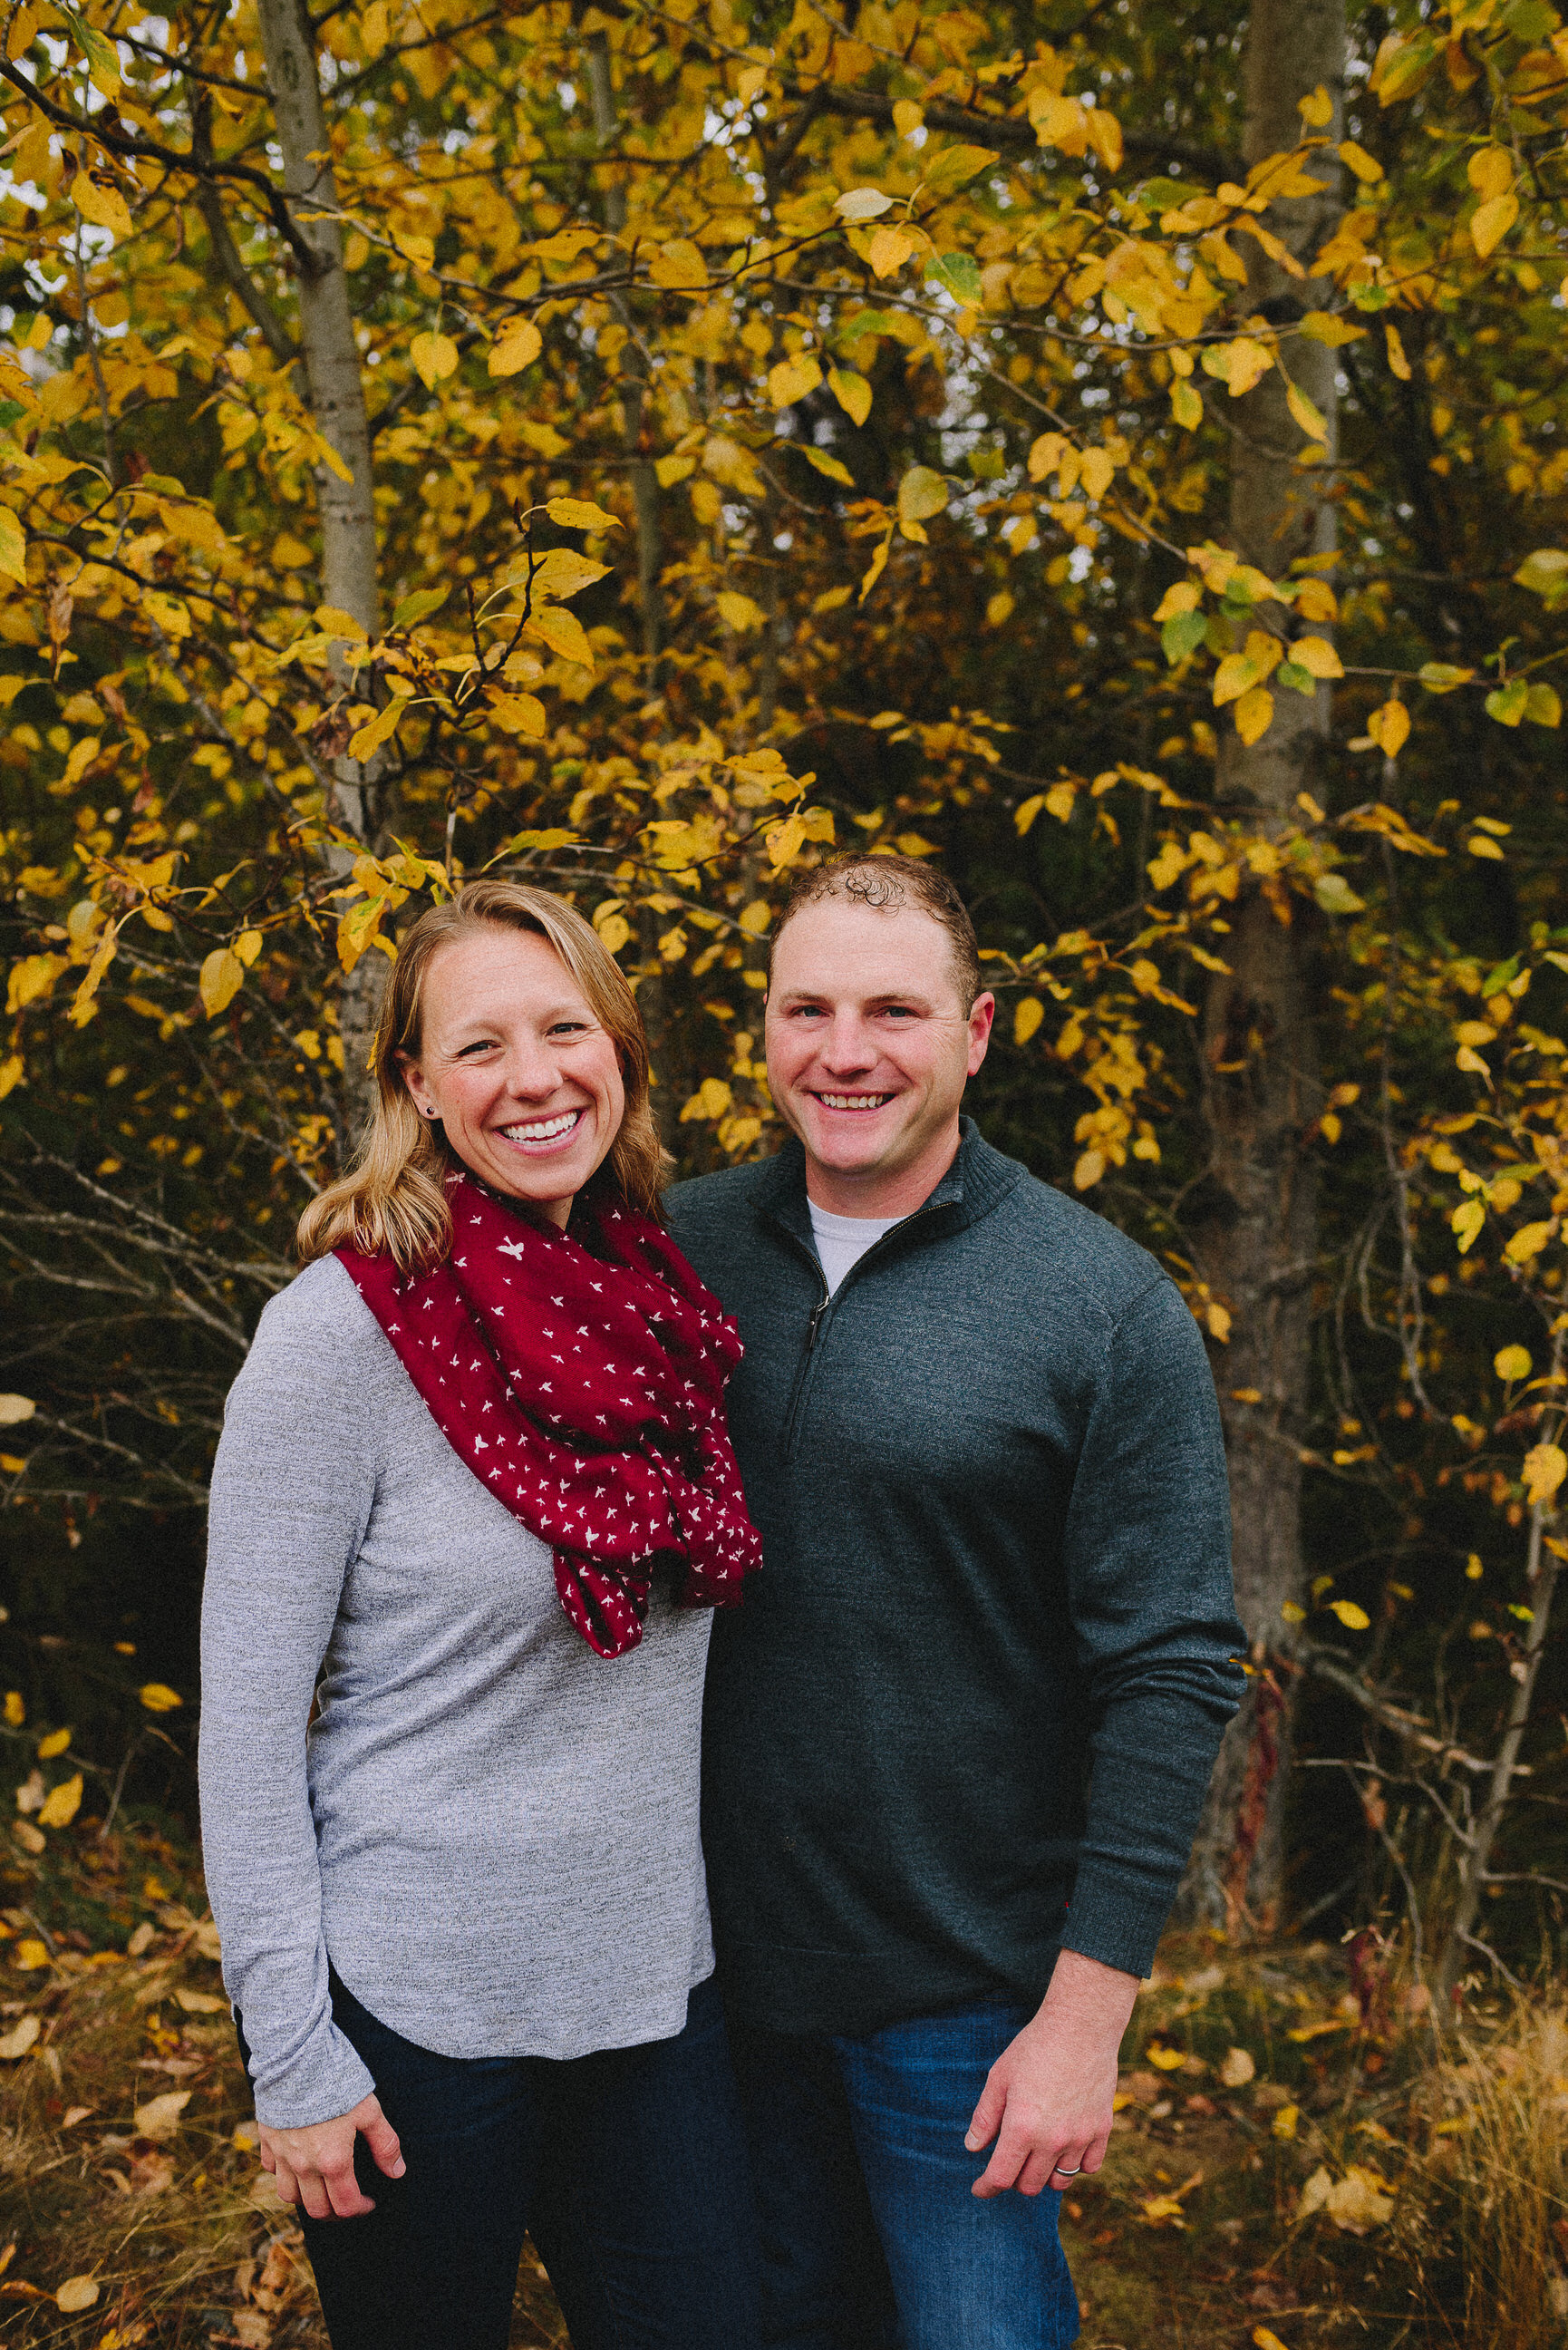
[{"x": 393, "y": 1197}]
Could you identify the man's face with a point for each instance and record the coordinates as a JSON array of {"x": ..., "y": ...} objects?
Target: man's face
[{"x": 869, "y": 1047}]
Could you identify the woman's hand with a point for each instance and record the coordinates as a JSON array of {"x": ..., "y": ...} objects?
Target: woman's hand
[{"x": 314, "y": 2167}]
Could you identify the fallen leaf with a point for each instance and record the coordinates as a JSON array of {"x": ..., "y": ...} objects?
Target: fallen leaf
[
  {"x": 20, "y": 2038},
  {"x": 200, "y": 2002},
  {"x": 151, "y": 2173},
  {"x": 1358, "y": 2201},
  {"x": 1237, "y": 2069},
  {"x": 1166, "y": 2060},
  {"x": 75, "y": 2114},
  {"x": 159, "y": 2118},
  {"x": 77, "y": 2292}
]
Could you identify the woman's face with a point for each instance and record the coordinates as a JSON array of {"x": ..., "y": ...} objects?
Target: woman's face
[{"x": 513, "y": 1062}]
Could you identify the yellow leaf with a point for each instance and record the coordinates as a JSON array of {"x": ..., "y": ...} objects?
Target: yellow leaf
[
  {"x": 16, "y": 1711},
  {"x": 576, "y": 513},
  {"x": 563, "y": 632},
  {"x": 517, "y": 348},
  {"x": 1513, "y": 1362},
  {"x": 1358, "y": 2202},
  {"x": 712, "y": 1100},
  {"x": 1165, "y": 2060},
  {"x": 519, "y": 713},
  {"x": 833, "y": 467},
  {"x": 1185, "y": 404},
  {"x": 921, "y": 494},
  {"x": 331, "y": 621},
  {"x": 376, "y": 731},
  {"x": 14, "y": 1409},
  {"x": 1365, "y": 167},
  {"x": 1310, "y": 419},
  {"x": 793, "y": 379},
  {"x": 1024, "y": 815},
  {"x": 1218, "y": 1320},
  {"x": 1027, "y": 1019},
  {"x": 679, "y": 267},
  {"x": 56, "y": 1743},
  {"x": 13, "y": 1069},
  {"x": 159, "y": 2116},
  {"x": 222, "y": 976},
  {"x": 874, "y": 571},
  {"x": 1545, "y": 1465},
  {"x": 1491, "y": 172},
  {"x": 158, "y": 1698},
  {"x": 1285, "y": 2120},
  {"x": 200, "y": 2002},
  {"x": 1253, "y": 712},
  {"x": 1491, "y": 222},
  {"x": 892, "y": 247},
  {"x": 20, "y": 2038},
  {"x": 77, "y": 2292},
  {"x": 852, "y": 392},
  {"x": 1324, "y": 327},
  {"x": 1398, "y": 364},
  {"x": 784, "y": 841},
  {"x": 1096, "y": 472},
  {"x": 1479, "y": 846},
  {"x": 1263, "y": 2340},
  {"x": 614, "y": 931},
  {"x": 755, "y": 918},
  {"x": 1316, "y": 111},
  {"x": 1249, "y": 360},
  {"x": 98, "y": 200},
  {"x": 1316, "y": 656},
  {"x": 1527, "y": 1243},
  {"x": 1061, "y": 800},
  {"x": 1389, "y": 728},
  {"x": 862, "y": 205},
  {"x": 434, "y": 357},
  {"x": 13, "y": 546},
  {"x": 1469, "y": 1215},
  {"x": 32, "y": 1954},
  {"x": 739, "y": 612},
  {"x": 1353, "y": 1619},
  {"x": 375, "y": 28}
]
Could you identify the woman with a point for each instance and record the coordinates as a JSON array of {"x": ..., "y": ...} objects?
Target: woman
[{"x": 474, "y": 1480}]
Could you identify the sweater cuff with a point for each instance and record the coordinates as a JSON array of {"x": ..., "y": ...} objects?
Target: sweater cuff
[
  {"x": 329, "y": 2077},
  {"x": 1117, "y": 1919}
]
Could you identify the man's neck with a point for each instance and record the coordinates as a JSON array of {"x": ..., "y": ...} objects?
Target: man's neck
[{"x": 876, "y": 1193}]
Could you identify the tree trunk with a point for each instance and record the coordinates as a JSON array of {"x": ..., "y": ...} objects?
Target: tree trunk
[
  {"x": 1254, "y": 1219},
  {"x": 345, "y": 508}
]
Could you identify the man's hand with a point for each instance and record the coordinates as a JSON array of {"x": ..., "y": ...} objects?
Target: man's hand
[
  {"x": 314, "y": 2167},
  {"x": 1049, "y": 2093}
]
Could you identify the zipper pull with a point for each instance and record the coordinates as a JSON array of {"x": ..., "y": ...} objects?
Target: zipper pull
[{"x": 812, "y": 1325}]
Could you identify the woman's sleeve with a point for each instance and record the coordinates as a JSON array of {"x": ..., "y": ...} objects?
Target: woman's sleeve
[{"x": 292, "y": 1489}]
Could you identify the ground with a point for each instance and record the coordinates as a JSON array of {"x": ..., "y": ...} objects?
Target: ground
[{"x": 1283, "y": 2168}]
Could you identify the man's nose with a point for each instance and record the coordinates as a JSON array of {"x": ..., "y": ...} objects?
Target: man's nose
[{"x": 845, "y": 1046}]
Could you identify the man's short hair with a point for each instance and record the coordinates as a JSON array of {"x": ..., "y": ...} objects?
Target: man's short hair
[{"x": 891, "y": 885}]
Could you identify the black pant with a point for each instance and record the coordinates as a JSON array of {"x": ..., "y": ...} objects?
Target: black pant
[{"x": 628, "y": 2167}]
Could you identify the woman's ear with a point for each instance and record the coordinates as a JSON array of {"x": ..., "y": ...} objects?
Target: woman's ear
[{"x": 413, "y": 1078}]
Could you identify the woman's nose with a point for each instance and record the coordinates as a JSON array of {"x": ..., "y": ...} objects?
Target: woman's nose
[{"x": 531, "y": 1071}]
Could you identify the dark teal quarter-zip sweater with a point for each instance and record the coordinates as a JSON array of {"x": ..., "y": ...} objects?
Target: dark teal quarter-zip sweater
[{"x": 968, "y": 1711}]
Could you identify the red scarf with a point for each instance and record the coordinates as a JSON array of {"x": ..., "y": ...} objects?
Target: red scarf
[{"x": 586, "y": 1389}]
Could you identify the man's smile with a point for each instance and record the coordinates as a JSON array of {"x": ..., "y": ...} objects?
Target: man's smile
[{"x": 852, "y": 1101}]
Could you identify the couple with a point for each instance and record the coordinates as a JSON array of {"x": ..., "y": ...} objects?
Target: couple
[{"x": 474, "y": 1509}]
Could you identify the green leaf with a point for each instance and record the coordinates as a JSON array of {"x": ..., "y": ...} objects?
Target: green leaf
[
  {"x": 960, "y": 272},
  {"x": 1496, "y": 981},
  {"x": 1182, "y": 633},
  {"x": 1544, "y": 573},
  {"x": 419, "y": 606},
  {"x": 834, "y": 467},
  {"x": 1442, "y": 676},
  {"x": 956, "y": 166},
  {"x": 1508, "y": 703},
  {"x": 1292, "y": 673},
  {"x": 866, "y": 322}
]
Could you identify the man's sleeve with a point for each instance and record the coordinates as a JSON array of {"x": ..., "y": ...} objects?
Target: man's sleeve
[{"x": 1148, "y": 1554}]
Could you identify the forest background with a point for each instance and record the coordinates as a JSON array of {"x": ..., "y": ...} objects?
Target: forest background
[{"x": 1119, "y": 451}]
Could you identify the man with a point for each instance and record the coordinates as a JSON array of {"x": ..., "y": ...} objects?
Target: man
[{"x": 958, "y": 1737}]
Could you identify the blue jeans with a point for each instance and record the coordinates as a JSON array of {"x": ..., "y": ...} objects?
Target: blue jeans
[
  {"x": 628, "y": 2168},
  {"x": 871, "y": 2237}
]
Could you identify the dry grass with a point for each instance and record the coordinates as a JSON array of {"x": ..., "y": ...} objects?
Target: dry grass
[{"x": 1296, "y": 2161}]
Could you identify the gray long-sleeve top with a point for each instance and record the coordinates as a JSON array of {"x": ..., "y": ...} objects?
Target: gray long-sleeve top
[
  {"x": 490, "y": 1832},
  {"x": 967, "y": 1717}
]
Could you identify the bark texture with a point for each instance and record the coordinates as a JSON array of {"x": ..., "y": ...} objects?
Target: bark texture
[
  {"x": 1254, "y": 1219},
  {"x": 345, "y": 511}
]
